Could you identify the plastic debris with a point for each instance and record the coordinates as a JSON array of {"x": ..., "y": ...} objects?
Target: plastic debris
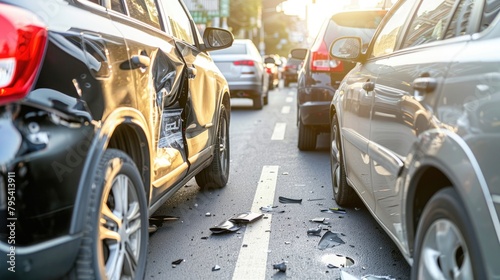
[
  {"x": 269, "y": 209},
  {"x": 318, "y": 220},
  {"x": 315, "y": 199},
  {"x": 208, "y": 214},
  {"x": 247, "y": 217},
  {"x": 330, "y": 240},
  {"x": 177, "y": 262},
  {"x": 314, "y": 231},
  {"x": 280, "y": 266},
  {"x": 225, "y": 227},
  {"x": 334, "y": 210},
  {"x": 283, "y": 199},
  {"x": 216, "y": 268}
]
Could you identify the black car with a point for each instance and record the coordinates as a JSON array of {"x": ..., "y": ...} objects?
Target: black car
[
  {"x": 106, "y": 109},
  {"x": 290, "y": 70},
  {"x": 320, "y": 76}
]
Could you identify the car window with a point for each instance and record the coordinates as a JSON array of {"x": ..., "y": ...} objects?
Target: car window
[
  {"x": 117, "y": 5},
  {"x": 385, "y": 42},
  {"x": 460, "y": 20},
  {"x": 430, "y": 22},
  {"x": 491, "y": 9},
  {"x": 145, "y": 11},
  {"x": 178, "y": 20}
]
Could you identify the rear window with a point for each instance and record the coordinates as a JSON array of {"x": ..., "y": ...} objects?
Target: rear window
[
  {"x": 234, "y": 49},
  {"x": 361, "y": 24}
]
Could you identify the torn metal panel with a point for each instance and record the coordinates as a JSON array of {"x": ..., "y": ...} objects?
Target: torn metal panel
[
  {"x": 330, "y": 240},
  {"x": 225, "y": 227},
  {"x": 283, "y": 199},
  {"x": 247, "y": 217}
]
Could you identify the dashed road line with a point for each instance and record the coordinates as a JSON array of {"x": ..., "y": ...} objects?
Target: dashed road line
[
  {"x": 285, "y": 110},
  {"x": 279, "y": 131},
  {"x": 252, "y": 259},
  {"x": 289, "y": 99}
]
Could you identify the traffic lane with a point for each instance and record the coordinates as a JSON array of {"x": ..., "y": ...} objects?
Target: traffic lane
[
  {"x": 306, "y": 175},
  {"x": 300, "y": 175},
  {"x": 189, "y": 238}
]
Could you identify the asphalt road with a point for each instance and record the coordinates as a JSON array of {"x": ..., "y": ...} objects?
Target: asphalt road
[{"x": 266, "y": 164}]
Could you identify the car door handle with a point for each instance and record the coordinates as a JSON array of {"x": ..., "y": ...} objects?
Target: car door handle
[
  {"x": 422, "y": 86},
  {"x": 140, "y": 61},
  {"x": 369, "y": 86},
  {"x": 191, "y": 72}
]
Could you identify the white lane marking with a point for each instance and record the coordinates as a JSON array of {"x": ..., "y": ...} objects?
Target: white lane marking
[
  {"x": 291, "y": 93},
  {"x": 279, "y": 131},
  {"x": 496, "y": 198},
  {"x": 289, "y": 99},
  {"x": 252, "y": 260},
  {"x": 285, "y": 110}
]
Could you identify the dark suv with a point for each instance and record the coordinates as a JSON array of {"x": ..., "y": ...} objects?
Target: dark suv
[
  {"x": 320, "y": 76},
  {"x": 106, "y": 109}
]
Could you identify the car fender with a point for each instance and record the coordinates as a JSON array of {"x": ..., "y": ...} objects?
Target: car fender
[
  {"x": 104, "y": 131},
  {"x": 447, "y": 152}
]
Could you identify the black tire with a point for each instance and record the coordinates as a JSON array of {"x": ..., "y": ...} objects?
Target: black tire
[
  {"x": 444, "y": 224},
  {"x": 343, "y": 193},
  {"x": 216, "y": 174},
  {"x": 287, "y": 83},
  {"x": 106, "y": 221},
  {"x": 307, "y": 137},
  {"x": 258, "y": 102},
  {"x": 266, "y": 99}
]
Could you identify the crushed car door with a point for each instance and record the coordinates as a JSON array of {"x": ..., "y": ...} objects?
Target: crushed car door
[
  {"x": 203, "y": 95},
  {"x": 157, "y": 70}
]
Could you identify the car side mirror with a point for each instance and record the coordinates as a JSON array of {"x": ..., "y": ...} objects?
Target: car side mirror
[
  {"x": 346, "y": 48},
  {"x": 216, "y": 39},
  {"x": 299, "y": 54}
]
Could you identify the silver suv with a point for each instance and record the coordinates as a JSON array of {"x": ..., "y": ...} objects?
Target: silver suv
[
  {"x": 243, "y": 67},
  {"x": 415, "y": 133}
]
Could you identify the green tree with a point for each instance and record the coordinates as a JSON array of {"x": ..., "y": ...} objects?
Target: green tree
[{"x": 243, "y": 15}]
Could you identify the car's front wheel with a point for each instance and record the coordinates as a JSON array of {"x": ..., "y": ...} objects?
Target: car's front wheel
[
  {"x": 343, "y": 193},
  {"x": 116, "y": 225},
  {"x": 217, "y": 173},
  {"x": 445, "y": 245}
]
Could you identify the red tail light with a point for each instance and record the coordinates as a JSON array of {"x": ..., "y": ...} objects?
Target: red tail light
[
  {"x": 244, "y": 63},
  {"x": 23, "y": 39},
  {"x": 268, "y": 70},
  {"x": 320, "y": 59}
]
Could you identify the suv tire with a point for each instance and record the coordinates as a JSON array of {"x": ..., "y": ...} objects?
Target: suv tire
[
  {"x": 116, "y": 224},
  {"x": 217, "y": 173},
  {"x": 445, "y": 219},
  {"x": 343, "y": 193}
]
